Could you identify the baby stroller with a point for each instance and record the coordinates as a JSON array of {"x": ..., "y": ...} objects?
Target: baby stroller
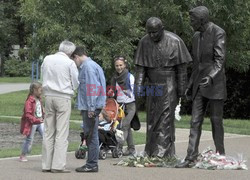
[{"x": 108, "y": 140}]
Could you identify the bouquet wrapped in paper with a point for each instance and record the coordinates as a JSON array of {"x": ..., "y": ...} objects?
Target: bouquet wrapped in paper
[{"x": 209, "y": 159}]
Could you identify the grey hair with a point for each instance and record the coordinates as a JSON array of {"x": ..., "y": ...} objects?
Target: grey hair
[{"x": 67, "y": 47}]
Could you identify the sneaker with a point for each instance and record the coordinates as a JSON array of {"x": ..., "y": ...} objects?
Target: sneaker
[
  {"x": 23, "y": 158},
  {"x": 87, "y": 169}
]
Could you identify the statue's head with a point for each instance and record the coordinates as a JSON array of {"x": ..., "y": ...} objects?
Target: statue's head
[
  {"x": 155, "y": 28},
  {"x": 199, "y": 17}
]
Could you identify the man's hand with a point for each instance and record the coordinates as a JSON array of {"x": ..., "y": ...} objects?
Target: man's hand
[
  {"x": 188, "y": 94},
  {"x": 91, "y": 114},
  {"x": 206, "y": 81}
]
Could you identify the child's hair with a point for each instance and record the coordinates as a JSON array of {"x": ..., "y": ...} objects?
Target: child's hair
[
  {"x": 34, "y": 85},
  {"x": 106, "y": 115}
]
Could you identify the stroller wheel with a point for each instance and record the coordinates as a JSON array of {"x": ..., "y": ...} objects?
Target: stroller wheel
[
  {"x": 80, "y": 154},
  {"x": 102, "y": 154},
  {"x": 116, "y": 153}
]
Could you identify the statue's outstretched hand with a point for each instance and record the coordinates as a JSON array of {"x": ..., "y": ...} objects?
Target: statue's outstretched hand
[{"x": 206, "y": 81}]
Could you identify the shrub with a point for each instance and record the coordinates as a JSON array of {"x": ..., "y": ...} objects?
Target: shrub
[
  {"x": 14, "y": 67},
  {"x": 237, "y": 104}
]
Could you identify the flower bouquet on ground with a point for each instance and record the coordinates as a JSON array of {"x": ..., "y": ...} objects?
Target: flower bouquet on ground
[
  {"x": 211, "y": 160},
  {"x": 145, "y": 161}
]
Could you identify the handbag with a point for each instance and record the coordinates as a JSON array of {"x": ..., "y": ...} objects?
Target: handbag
[{"x": 135, "y": 122}]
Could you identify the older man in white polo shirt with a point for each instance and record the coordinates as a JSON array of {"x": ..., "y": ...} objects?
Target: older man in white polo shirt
[{"x": 60, "y": 80}]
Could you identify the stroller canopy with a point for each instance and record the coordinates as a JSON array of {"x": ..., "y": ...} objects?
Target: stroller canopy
[{"x": 112, "y": 108}]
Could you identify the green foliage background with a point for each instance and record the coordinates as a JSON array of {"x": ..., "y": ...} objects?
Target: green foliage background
[
  {"x": 113, "y": 27},
  {"x": 14, "y": 67}
]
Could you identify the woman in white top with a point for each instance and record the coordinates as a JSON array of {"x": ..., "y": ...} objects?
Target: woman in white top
[{"x": 122, "y": 84}]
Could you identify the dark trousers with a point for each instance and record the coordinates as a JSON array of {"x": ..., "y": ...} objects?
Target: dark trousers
[
  {"x": 90, "y": 129},
  {"x": 216, "y": 113}
]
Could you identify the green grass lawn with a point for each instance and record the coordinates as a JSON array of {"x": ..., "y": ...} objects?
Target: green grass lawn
[
  {"x": 11, "y": 104},
  {"x": 235, "y": 126},
  {"x": 15, "y": 79}
]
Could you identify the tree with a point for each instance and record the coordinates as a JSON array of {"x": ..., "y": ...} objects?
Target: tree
[
  {"x": 11, "y": 29},
  {"x": 7, "y": 31},
  {"x": 114, "y": 27},
  {"x": 106, "y": 28},
  {"x": 232, "y": 15}
]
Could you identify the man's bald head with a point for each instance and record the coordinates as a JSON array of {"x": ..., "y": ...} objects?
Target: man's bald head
[
  {"x": 154, "y": 28},
  {"x": 153, "y": 22}
]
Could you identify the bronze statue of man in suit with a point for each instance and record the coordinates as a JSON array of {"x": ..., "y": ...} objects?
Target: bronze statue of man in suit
[
  {"x": 162, "y": 59},
  {"x": 207, "y": 84}
]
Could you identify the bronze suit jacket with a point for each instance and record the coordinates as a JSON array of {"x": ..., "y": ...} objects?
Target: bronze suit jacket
[{"x": 208, "y": 50}]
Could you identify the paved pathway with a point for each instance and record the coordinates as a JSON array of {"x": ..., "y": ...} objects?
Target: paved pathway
[
  {"x": 12, "y": 169},
  {"x": 12, "y": 87}
]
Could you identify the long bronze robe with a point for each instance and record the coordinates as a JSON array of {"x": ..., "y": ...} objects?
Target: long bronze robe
[{"x": 164, "y": 64}]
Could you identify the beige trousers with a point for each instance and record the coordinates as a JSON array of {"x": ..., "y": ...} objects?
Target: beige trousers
[{"x": 56, "y": 131}]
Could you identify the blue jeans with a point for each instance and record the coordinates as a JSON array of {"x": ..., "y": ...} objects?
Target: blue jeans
[
  {"x": 90, "y": 128},
  {"x": 27, "y": 145}
]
